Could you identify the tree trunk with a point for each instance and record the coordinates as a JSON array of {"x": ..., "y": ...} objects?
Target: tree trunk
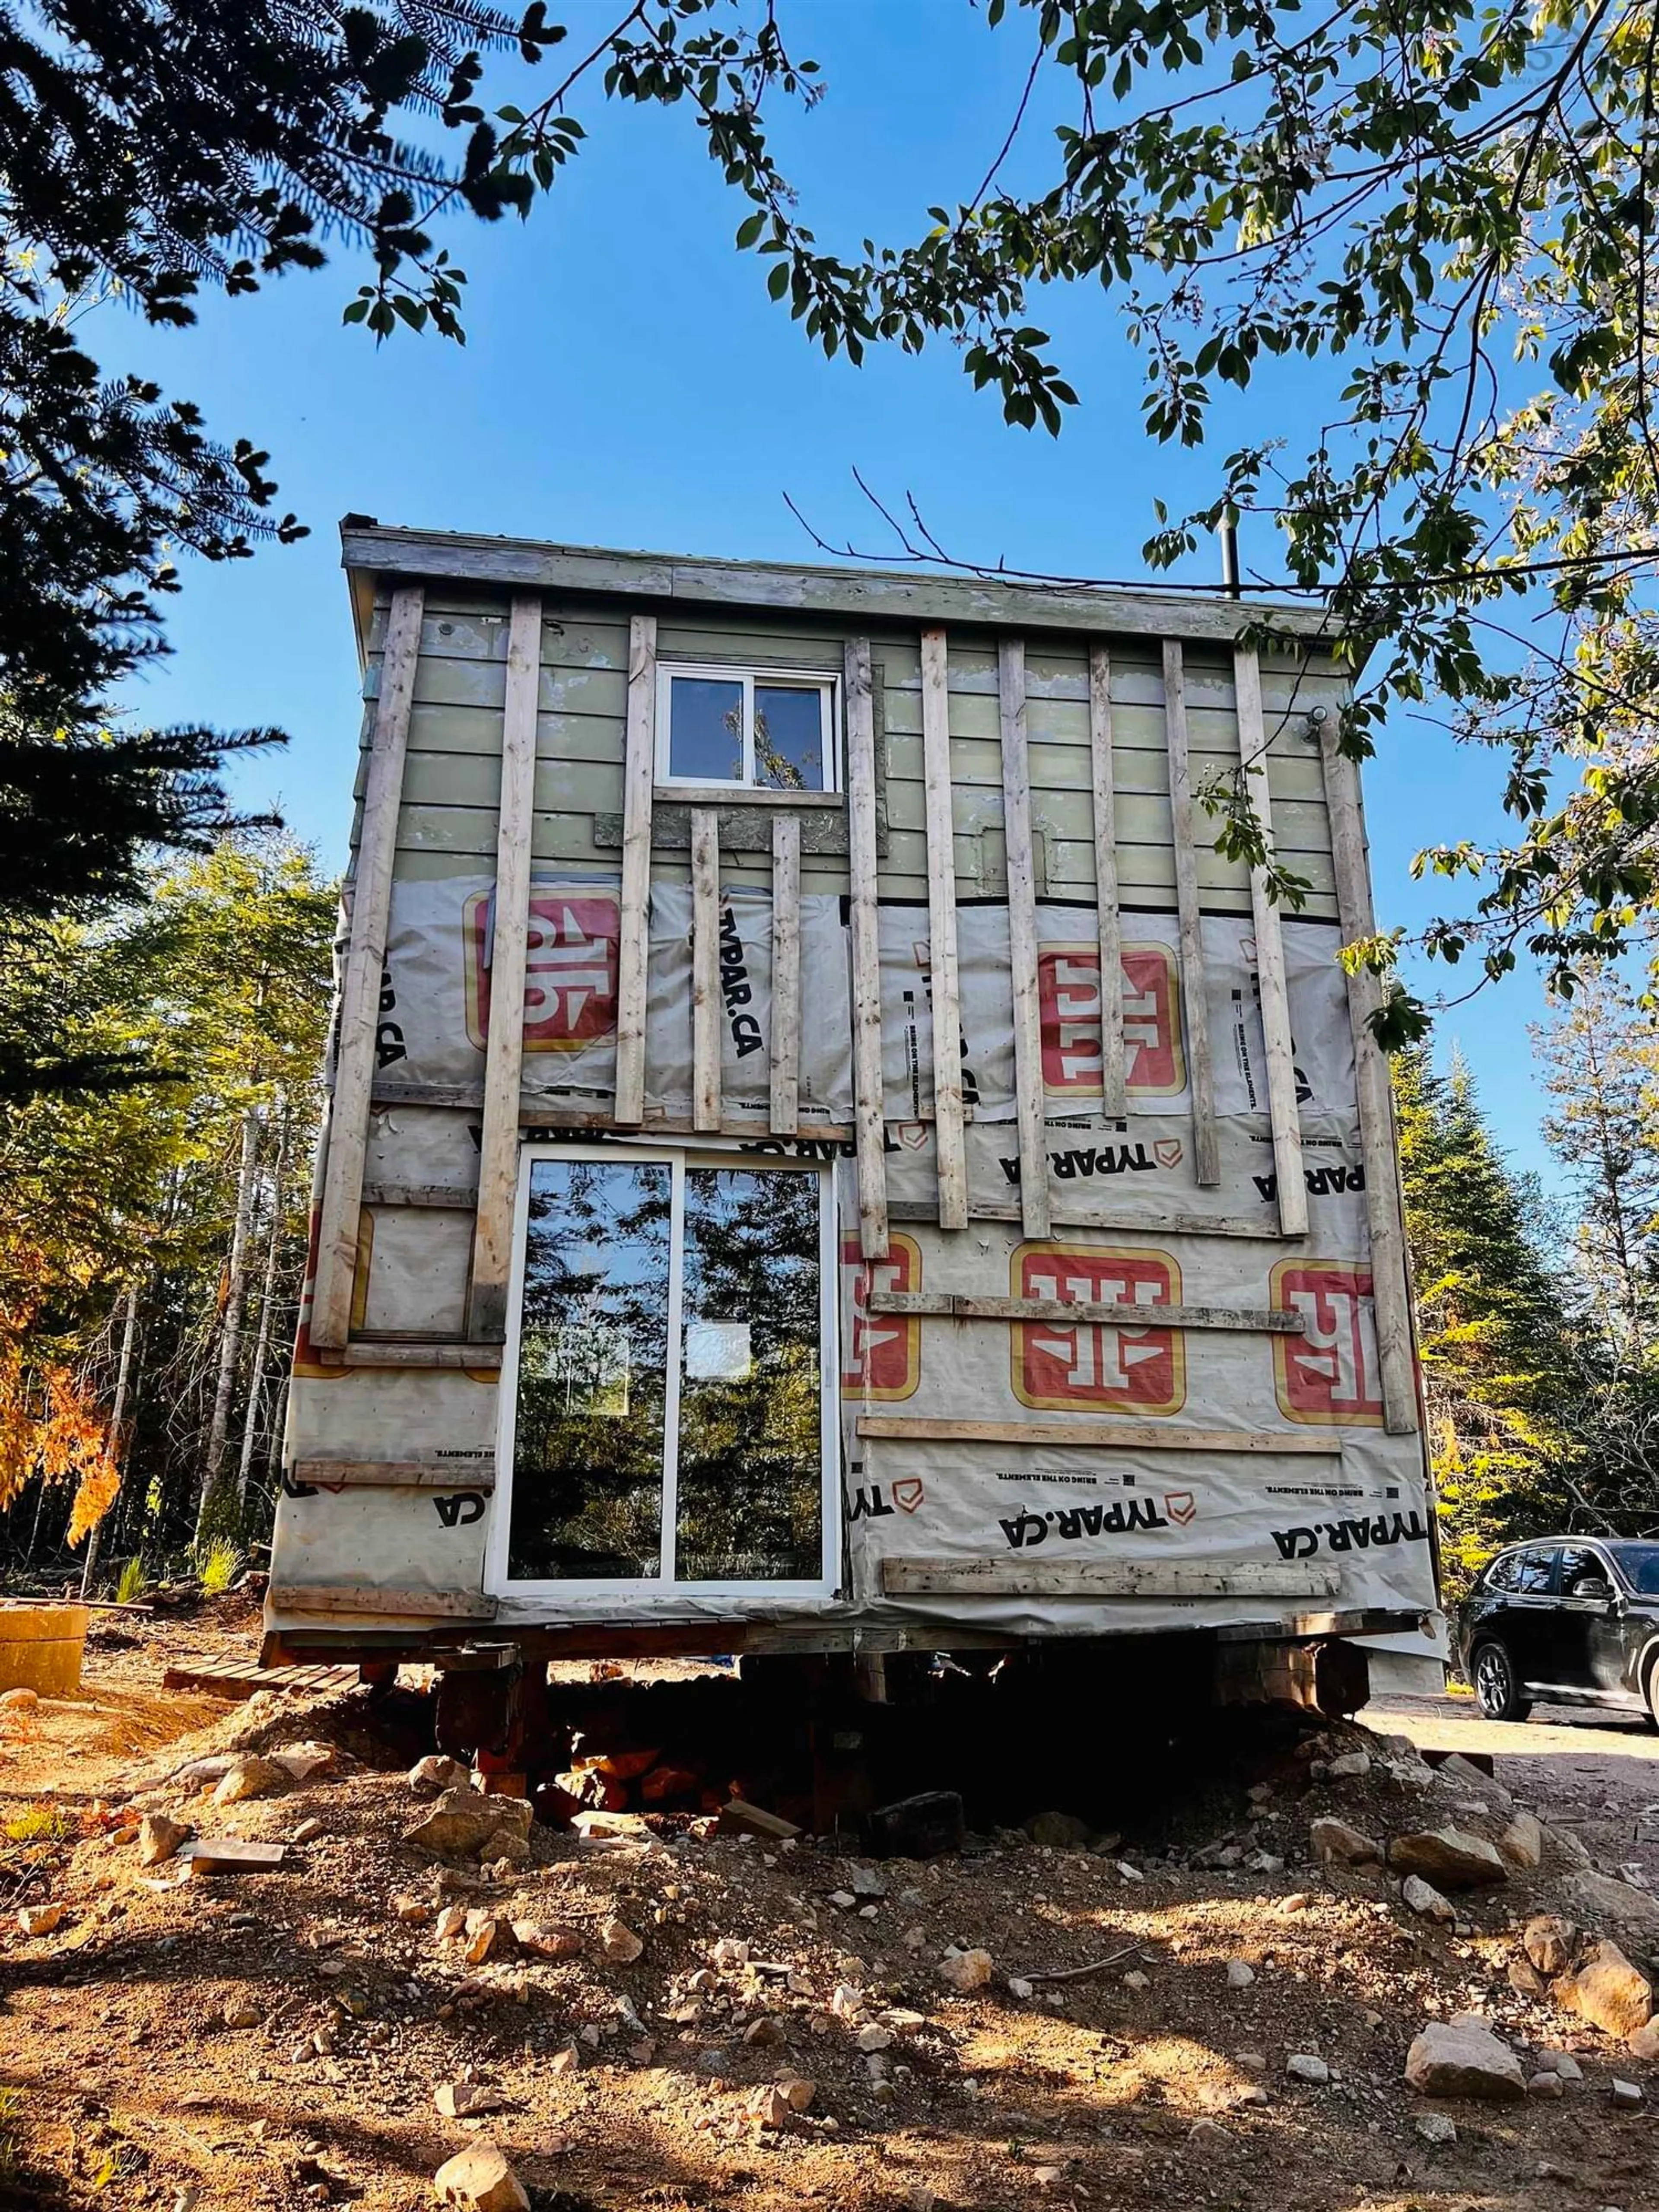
[
  {"x": 267, "y": 1300},
  {"x": 123, "y": 1374},
  {"x": 230, "y": 1342}
]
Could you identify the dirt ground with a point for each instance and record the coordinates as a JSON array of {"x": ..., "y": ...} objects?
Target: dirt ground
[{"x": 625, "y": 2081}]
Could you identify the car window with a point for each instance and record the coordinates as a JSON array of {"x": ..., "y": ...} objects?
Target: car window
[
  {"x": 1580, "y": 1567},
  {"x": 1500, "y": 1575},
  {"x": 1639, "y": 1563},
  {"x": 1536, "y": 1572}
]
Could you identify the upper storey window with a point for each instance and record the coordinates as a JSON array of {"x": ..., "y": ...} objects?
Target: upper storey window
[{"x": 757, "y": 729}]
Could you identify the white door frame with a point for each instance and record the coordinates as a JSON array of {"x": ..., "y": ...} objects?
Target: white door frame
[{"x": 660, "y": 1592}]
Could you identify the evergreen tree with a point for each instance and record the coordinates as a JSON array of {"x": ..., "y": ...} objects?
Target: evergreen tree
[
  {"x": 1497, "y": 1342},
  {"x": 1601, "y": 1060}
]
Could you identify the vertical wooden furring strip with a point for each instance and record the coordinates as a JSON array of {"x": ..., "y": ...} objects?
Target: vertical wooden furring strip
[
  {"x": 365, "y": 966},
  {"x": 1194, "y": 997},
  {"x": 1390, "y": 1296},
  {"x": 498, "y": 1147},
  {"x": 1022, "y": 936},
  {"x": 1284, "y": 1116},
  {"x": 866, "y": 925},
  {"x": 942, "y": 933},
  {"x": 705, "y": 969},
  {"x": 638, "y": 768},
  {"x": 1114, "y": 1078},
  {"x": 785, "y": 974}
]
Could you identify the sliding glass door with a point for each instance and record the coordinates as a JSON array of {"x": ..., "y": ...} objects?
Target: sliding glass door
[{"x": 667, "y": 1419}]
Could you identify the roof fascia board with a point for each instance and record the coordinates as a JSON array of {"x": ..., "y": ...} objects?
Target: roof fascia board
[{"x": 871, "y": 595}]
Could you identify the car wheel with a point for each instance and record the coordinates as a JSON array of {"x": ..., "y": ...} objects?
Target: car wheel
[
  {"x": 1497, "y": 1686},
  {"x": 1650, "y": 1691}
]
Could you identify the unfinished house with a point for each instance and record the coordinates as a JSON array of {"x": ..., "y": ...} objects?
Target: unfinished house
[{"x": 826, "y": 1156}]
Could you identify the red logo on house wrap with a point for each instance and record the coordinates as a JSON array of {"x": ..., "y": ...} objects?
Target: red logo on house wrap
[
  {"x": 1068, "y": 1009},
  {"x": 1095, "y": 1366},
  {"x": 1329, "y": 1374},
  {"x": 885, "y": 1350},
  {"x": 570, "y": 969}
]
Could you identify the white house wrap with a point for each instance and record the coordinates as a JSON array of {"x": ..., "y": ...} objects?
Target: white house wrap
[{"x": 805, "y": 1348}]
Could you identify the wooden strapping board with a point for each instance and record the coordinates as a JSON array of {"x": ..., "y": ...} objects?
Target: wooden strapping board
[
  {"x": 1114, "y": 1076},
  {"x": 1390, "y": 1295},
  {"x": 452, "y": 1197},
  {"x": 340, "y": 1205},
  {"x": 638, "y": 765},
  {"x": 1093, "y": 1436},
  {"x": 1080, "y": 1213},
  {"x": 1090, "y": 1578},
  {"x": 705, "y": 969},
  {"x": 370, "y": 1598},
  {"x": 1207, "y": 1157},
  {"x": 942, "y": 933},
  {"x": 951, "y": 1305},
  {"x": 1022, "y": 938},
  {"x": 446, "y": 1475},
  {"x": 866, "y": 951},
  {"x": 785, "y": 974},
  {"x": 1283, "y": 1114},
  {"x": 554, "y": 1112},
  {"x": 470, "y": 1357},
  {"x": 498, "y": 1143}
]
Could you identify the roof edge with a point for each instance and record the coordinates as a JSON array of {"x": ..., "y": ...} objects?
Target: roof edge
[{"x": 874, "y": 595}]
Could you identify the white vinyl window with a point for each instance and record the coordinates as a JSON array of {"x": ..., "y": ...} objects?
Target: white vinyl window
[
  {"x": 752, "y": 729},
  {"x": 668, "y": 1393}
]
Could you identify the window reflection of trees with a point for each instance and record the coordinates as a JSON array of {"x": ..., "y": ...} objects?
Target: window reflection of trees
[
  {"x": 587, "y": 1464},
  {"x": 751, "y": 1451}
]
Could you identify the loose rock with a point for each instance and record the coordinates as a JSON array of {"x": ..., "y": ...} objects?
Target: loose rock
[
  {"x": 1423, "y": 1897},
  {"x": 1627, "y": 2095},
  {"x": 1436, "y": 2128},
  {"x": 619, "y": 1943},
  {"x": 1335, "y": 1840},
  {"x": 1521, "y": 1843},
  {"x": 1549, "y": 1943},
  {"x": 1452, "y": 1858},
  {"x": 1608, "y": 1991},
  {"x": 434, "y": 1773},
  {"x": 158, "y": 1837},
  {"x": 1240, "y": 1973},
  {"x": 546, "y": 1942},
  {"x": 1462, "y": 2058},
  {"x": 249, "y": 1776},
  {"x": 481, "y": 2180},
  {"x": 40, "y": 1919},
  {"x": 966, "y": 1970},
  {"x": 1307, "y": 2066}
]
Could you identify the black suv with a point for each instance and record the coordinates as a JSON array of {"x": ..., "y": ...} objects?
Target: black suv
[{"x": 1574, "y": 1620}]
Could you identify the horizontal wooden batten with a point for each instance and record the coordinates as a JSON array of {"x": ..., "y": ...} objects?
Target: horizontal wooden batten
[
  {"x": 1089, "y": 1579},
  {"x": 468, "y": 1098},
  {"x": 362, "y": 1352},
  {"x": 953, "y": 1306},
  {"x": 1091, "y": 1436},
  {"x": 398, "y": 1473},
  {"x": 455, "y": 1197},
  {"x": 370, "y": 1598},
  {"x": 1120, "y": 1225}
]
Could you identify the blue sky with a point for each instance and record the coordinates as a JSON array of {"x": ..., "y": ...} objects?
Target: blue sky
[{"x": 627, "y": 382}]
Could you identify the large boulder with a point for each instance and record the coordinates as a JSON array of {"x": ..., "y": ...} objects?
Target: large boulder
[
  {"x": 1463, "y": 2059},
  {"x": 1599, "y": 1897},
  {"x": 1452, "y": 1858},
  {"x": 458, "y": 1821},
  {"x": 1608, "y": 1991}
]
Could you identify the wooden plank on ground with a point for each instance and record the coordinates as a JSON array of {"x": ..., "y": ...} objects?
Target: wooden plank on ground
[
  {"x": 866, "y": 956},
  {"x": 1108, "y": 926},
  {"x": 1284, "y": 1116},
  {"x": 949, "y": 1139},
  {"x": 233, "y": 1682},
  {"x": 371, "y": 1598},
  {"x": 1026, "y": 1577},
  {"x": 705, "y": 969},
  {"x": 1022, "y": 938},
  {"x": 205, "y": 1855},
  {"x": 952, "y": 1305},
  {"x": 639, "y": 768},
  {"x": 785, "y": 974},
  {"x": 1390, "y": 1295},
  {"x": 498, "y": 1143},
  {"x": 1206, "y": 1157},
  {"x": 358, "y": 1014},
  {"x": 1094, "y": 1436}
]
